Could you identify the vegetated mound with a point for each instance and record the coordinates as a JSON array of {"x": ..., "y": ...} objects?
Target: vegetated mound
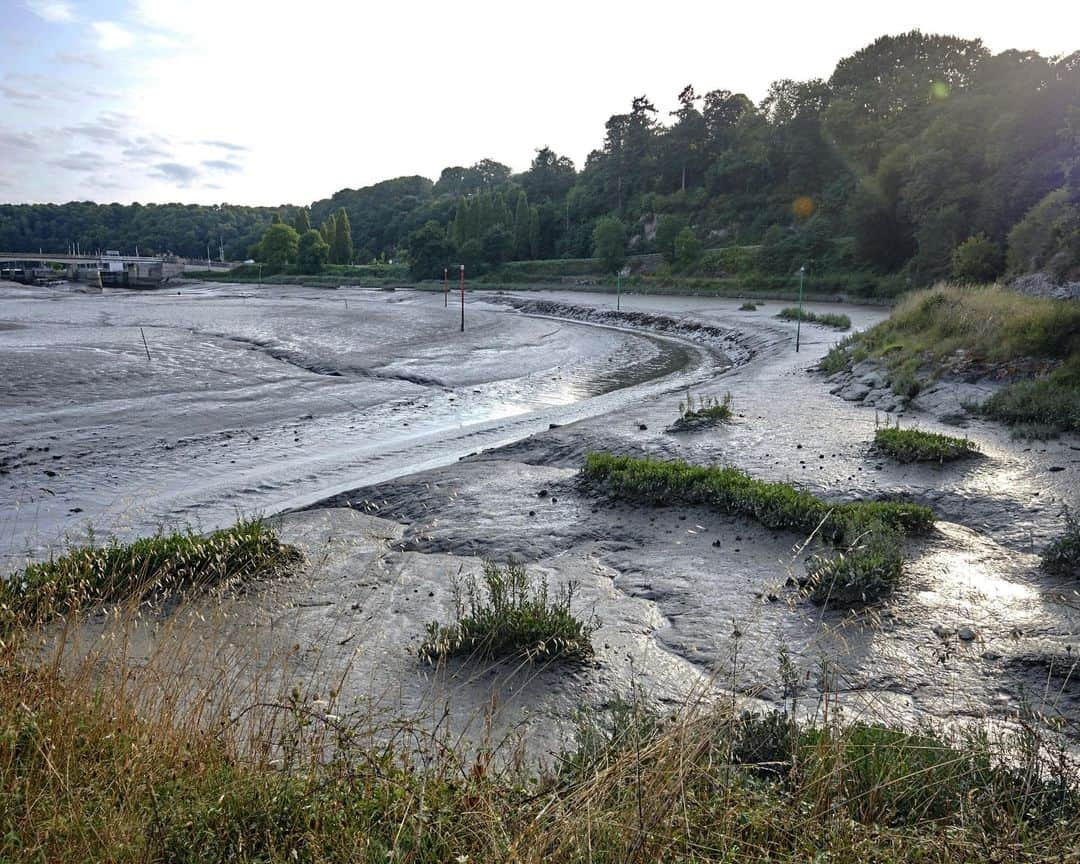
[
  {"x": 866, "y": 559},
  {"x": 1062, "y": 556},
  {"x": 915, "y": 445},
  {"x": 707, "y": 412},
  {"x": 826, "y": 319},
  {"x": 158, "y": 565},
  {"x": 1029, "y": 344}
]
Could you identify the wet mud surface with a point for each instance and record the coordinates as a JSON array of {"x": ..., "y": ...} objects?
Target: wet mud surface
[{"x": 688, "y": 598}]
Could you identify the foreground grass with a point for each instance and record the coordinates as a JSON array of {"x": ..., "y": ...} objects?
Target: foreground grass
[
  {"x": 867, "y": 533},
  {"x": 828, "y": 319},
  {"x": 914, "y": 445},
  {"x": 513, "y": 616},
  {"x": 84, "y": 777},
  {"x": 981, "y": 331},
  {"x": 162, "y": 563}
]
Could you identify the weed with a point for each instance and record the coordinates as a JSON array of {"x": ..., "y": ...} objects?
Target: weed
[
  {"x": 748, "y": 306},
  {"x": 513, "y": 616}
]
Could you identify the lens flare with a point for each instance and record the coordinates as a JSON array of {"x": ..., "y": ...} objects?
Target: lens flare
[
  {"x": 939, "y": 91},
  {"x": 802, "y": 207}
]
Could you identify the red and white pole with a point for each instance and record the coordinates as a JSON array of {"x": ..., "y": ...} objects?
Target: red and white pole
[{"x": 462, "y": 298}]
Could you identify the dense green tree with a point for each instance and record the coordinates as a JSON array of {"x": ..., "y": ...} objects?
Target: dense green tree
[
  {"x": 429, "y": 252},
  {"x": 279, "y": 246},
  {"x": 312, "y": 253},
  {"x": 341, "y": 250},
  {"x": 301, "y": 223},
  {"x": 328, "y": 229},
  {"x": 609, "y": 244},
  {"x": 666, "y": 232},
  {"x": 978, "y": 259},
  {"x": 497, "y": 246},
  {"x": 687, "y": 250},
  {"x": 522, "y": 227}
]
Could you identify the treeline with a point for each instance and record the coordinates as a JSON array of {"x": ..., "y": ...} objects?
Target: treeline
[{"x": 921, "y": 156}]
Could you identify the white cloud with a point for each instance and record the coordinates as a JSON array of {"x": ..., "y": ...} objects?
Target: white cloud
[
  {"x": 55, "y": 11},
  {"x": 111, "y": 36}
]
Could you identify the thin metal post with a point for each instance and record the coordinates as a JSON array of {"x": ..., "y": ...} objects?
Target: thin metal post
[
  {"x": 798, "y": 325},
  {"x": 445, "y": 288},
  {"x": 618, "y": 292},
  {"x": 462, "y": 298}
]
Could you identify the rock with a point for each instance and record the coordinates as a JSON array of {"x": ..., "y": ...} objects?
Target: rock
[
  {"x": 854, "y": 392},
  {"x": 966, "y": 634},
  {"x": 941, "y": 631},
  {"x": 642, "y": 426},
  {"x": 543, "y": 493}
]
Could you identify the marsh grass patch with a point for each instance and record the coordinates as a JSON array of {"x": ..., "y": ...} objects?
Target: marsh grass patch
[
  {"x": 511, "y": 615},
  {"x": 826, "y": 319},
  {"x": 915, "y": 445},
  {"x": 158, "y": 565}
]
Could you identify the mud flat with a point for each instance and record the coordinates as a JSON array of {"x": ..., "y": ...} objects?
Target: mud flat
[
  {"x": 689, "y": 598},
  {"x": 245, "y": 400}
]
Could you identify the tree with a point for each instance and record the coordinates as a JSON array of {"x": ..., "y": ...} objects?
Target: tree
[
  {"x": 978, "y": 259},
  {"x": 429, "y": 252},
  {"x": 522, "y": 248},
  {"x": 279, "y": 246},
  {"x": 609, "y": 244},
  {"x": 328, "y": 229},
  {"x": 312, "y": 253},
  {"x": 498, "y": 246},
  {"x": 666, "y": 232},
  {"x": 341, "y": 250},
  {"x": 687, "y": 249},
  {"x": 301, "y": 223}
]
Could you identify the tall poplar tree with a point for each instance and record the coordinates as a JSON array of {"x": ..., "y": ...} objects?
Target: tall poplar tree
[{"x": 342, "y": 248}]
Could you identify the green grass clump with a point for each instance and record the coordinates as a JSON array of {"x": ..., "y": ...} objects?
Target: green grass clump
[
  {"x": 982, "y": 330},
  {"x": 866, "y": 532},
  {"x": 513, "y": 616},
  {"x": 1046, "y": 405},
  {"x": 162, "y": 563},
  {"x": 748, "y": 307},
  {"x": 1062, "y": 556},
  {"x": 914, "y": 445},
  {"x": 708, "y": 410},
  {"x": 828, "y": 319}
]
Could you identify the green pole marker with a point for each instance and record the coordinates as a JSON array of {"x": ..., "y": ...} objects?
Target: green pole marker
[{"x": 798, "y": 325}]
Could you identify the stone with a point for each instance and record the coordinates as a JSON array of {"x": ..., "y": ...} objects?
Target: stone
[{"x": 966, "y": 634}]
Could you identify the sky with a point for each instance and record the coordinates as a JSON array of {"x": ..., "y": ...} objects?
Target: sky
[{"x": 215, "y": 101}]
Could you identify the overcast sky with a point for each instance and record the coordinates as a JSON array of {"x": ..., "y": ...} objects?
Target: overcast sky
[{"x": 268, "y": 102}]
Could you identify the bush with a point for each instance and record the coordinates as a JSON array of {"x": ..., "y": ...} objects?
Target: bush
[
  {"x": 163, "y": 563},
  {"x": 976, "y": 261},
  {"x": 513, "y": 616},
  {"x": 914, "y": 445},
  {"x": 1062, "y": 556},
  {"x": 748, "y": 307},
  {"x": 1050, "y": 404}
]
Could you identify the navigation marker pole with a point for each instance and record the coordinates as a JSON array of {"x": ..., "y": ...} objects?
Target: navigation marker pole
[
  {"x": 798, "y": 326},
  {"x": 618, "y": 291},
  {"x": 462, "y": 298},
  {"x": 445, "y": 288}
]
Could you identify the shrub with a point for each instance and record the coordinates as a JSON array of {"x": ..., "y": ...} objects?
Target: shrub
[
  {"x": 914, "y": 445},
  {"x": 1062, "y": 556},
  {"x": 163, "y": 563},
  {"x": 865, "y": 569},
  {"x": 748, "y": 307},
  {"x": 977, "y": 260},
  {"x": 1051, "y": 403},
  {"x": 514, "y": 616}
]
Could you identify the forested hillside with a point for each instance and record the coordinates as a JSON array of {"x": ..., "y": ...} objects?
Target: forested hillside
[{"x": 921, "y": 155}]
